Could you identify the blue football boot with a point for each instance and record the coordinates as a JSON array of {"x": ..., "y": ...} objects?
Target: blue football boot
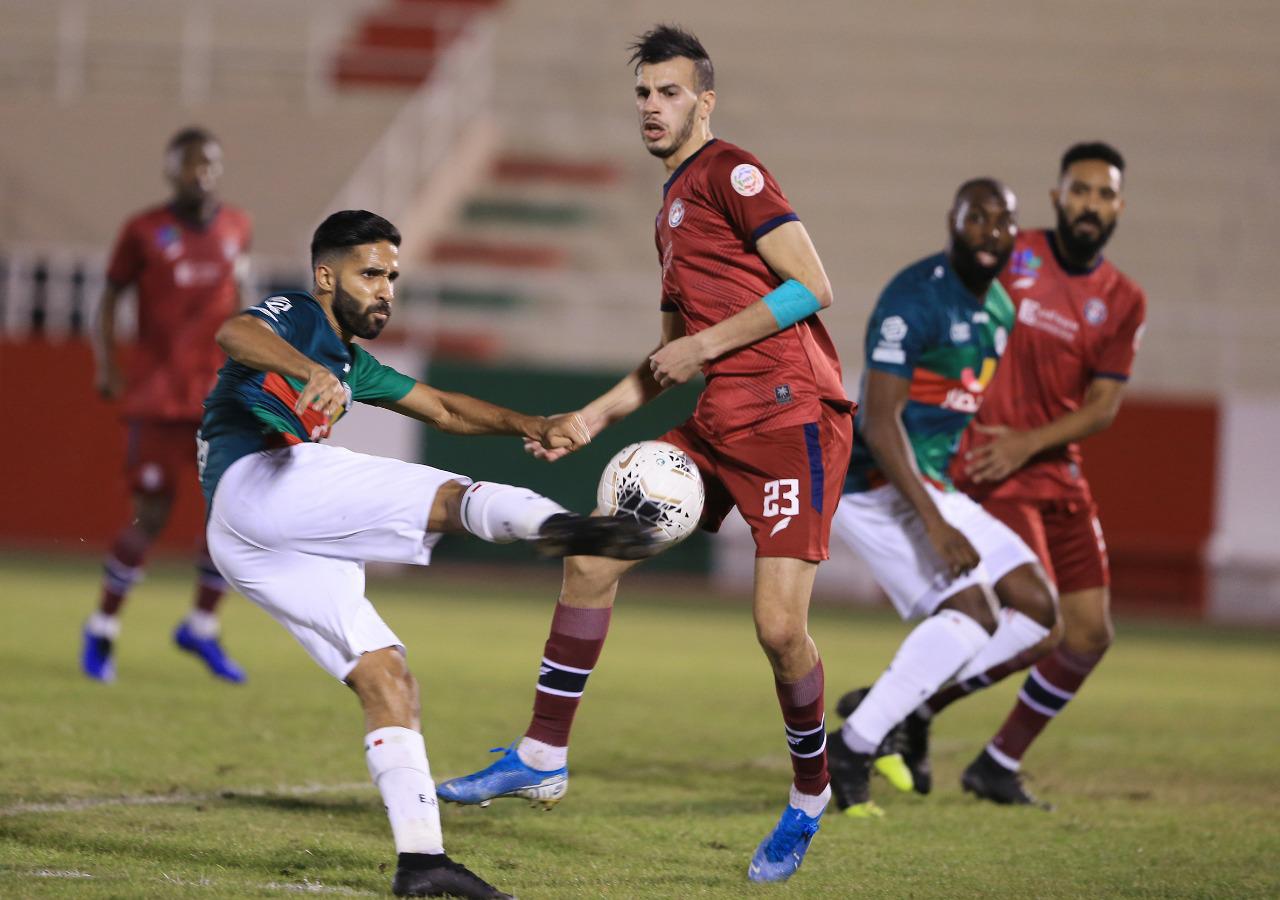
[
  {"x": 508, "y": 777},
  {"x": 210, "y": 652},
  {"x": 780, "y": 854},
  {"x": 95, "y": 657}
]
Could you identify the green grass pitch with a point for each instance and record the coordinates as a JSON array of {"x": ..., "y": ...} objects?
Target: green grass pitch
[{"x": 1166, "y": 770}]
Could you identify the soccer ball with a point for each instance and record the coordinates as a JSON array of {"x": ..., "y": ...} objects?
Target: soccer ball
[{"x": 658, "y": 484}]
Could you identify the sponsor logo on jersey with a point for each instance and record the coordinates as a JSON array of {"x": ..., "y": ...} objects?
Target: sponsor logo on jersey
[
  {"x": 274, "y": 306},
  {"x": 676, "y": 214},
  {"x": 893, "y": 329},
  {"x": 747, "y": 180},
  {"x": 960, "y": 400},
  {"x": 1095, "y": 311},
  {"x": 1033, "y": 314},
  {"x": 194, "y": 273},
  {"x": 1025, "y": 263},
  {"x": 889, "y": 350},
  {"x": 960, "y": 332}
]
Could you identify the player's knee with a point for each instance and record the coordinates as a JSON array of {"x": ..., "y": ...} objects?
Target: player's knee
[
  {"x": 973, "y": 603},
  {"x": 383, "y": 677},
  {"x": 780, "y": 638},
  {"x": 590, "y": 578},
  {"x": 152, "y": 512},
  {"x": 1038, "y": 603},
  {"x": 1091, "y": 639}
]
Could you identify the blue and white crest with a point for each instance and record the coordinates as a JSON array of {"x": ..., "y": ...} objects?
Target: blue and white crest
[
  {"x": 1095, "y": 311},
  {"x": 676, "y": 214}
]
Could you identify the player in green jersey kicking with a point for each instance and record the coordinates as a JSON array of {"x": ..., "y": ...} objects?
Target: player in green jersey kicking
[{"x": 292, "y": 521}]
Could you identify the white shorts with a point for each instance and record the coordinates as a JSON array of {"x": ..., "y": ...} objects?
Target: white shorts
[
  {"x": 292, "y": 528},
  {"x": 883, "y": 527}
]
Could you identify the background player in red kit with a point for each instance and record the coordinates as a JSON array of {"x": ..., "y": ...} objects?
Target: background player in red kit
[
  {"x": 1079, "y": 322},
  {"x": 771, "y": 434},
  {"x": 182, "y": 260}
]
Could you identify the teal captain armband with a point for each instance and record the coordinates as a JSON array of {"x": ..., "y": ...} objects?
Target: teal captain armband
[{"x": 791, "y": 302}]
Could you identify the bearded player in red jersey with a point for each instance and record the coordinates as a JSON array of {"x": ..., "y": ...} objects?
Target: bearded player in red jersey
[
  {"x": 772, "y": 433},
  {"x": 1079, "y": 322},
  {"x": 182, "y": 260}
]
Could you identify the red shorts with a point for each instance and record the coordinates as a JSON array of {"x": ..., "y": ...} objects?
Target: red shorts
[
  {"x": 786, "y": 483},
  {"x": 1065, "y": 534},
  {"x": 161, "y": 455}
]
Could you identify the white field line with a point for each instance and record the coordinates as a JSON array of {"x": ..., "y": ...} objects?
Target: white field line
[{"x": 76, "y": 804}]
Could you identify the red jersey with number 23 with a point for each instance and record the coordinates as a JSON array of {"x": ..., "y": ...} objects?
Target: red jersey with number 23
[
  {"x": 716, "y": 205},
  {"x": 185, "y": 277},
  {"x": 1072, "y": 326}
]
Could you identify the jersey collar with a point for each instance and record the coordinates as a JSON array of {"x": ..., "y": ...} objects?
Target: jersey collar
[{"x": 684, "y": 165}]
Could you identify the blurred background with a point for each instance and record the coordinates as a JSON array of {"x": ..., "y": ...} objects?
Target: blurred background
[{"x": 500, "y": 136}]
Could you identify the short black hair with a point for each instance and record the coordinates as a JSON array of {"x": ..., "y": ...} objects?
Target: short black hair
[
  {"x": 1091, "y": 150},
  {"x": 664, "y": 42},
  {"x": 995, "y": 185},
  {"x": 192, "y": 134},
  {"x": 351, "y": 228}
]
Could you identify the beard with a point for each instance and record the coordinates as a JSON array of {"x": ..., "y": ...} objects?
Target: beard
[
  {"x": 964, "y": 259},
  {"x": 354, "y": 319},
  {"x": 678, "y": 139},
  {"x": 1077, "y": 247}
]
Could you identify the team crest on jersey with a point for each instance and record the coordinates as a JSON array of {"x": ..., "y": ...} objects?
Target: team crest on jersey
[
  {"x": 1095, "y": 311},
  {"x": 960, "y": 332},
  {"x": 169, "y": 240},
  {"x": 676, "y": 214},
  {"x": 747, "y": 180}
]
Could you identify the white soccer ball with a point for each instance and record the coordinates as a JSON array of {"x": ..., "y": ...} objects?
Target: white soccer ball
[{"x": 658, "y": 484}]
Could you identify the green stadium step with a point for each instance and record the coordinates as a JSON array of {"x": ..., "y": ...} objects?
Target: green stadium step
[
  {"x": 500, "y": 254},
  {"x": 525, "y": 212},
  {"x": 479, "y": 298},
  {"x": 542, "y": 169}
]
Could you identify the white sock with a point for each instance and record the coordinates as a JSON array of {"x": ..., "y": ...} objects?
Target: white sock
[
  {"x": 809, "y": 804},
  {"x": 542, "y": 756},
  {"x": 501, "y": 513},
  {"x": 931, "y": 654},
  {"x": 1015, "y": 633},
  {"x": 397, "y": 759},
  {"x": 104, "y": 626},
  {"x": 204, "y": 624}
]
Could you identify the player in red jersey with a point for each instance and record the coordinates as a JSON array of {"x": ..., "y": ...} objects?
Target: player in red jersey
[
  {"x": 1079, "y": 323},
  {"x": 772, "y": 432},
  {"x": 182, "y": 260}
]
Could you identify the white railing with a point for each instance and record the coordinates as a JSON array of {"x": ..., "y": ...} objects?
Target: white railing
[
  {"x": 430, "y": 126},
  {"x": 76, "y": 50}
]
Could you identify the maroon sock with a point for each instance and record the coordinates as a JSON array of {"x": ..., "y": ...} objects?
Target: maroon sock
[
  {"x": 1049, "y": 687},
  {"x": 802, "y": 713},
  {"x": 950, "y": 694},
  {"x": 210, "y": 585},
  {"x": 122, "y": 568},
  {"x": 572, "y": 649}
]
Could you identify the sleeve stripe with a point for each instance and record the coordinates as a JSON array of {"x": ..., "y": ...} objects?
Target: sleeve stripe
[
  {"x": 1114, "y": 376},
  {"x": 773, "y": 223}
]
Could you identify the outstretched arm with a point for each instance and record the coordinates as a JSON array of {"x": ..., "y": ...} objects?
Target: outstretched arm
[
  {"x": 1010, "y": 449},
  {"x": 252, "y": 342},
  {"x": 635, "y": 389},
  {"x": 885, "y": 399},
  {"x": 790, "y": 253},
  {"x": 463, "y": 414}
]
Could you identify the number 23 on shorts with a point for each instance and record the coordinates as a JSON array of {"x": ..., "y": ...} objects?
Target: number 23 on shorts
[{"x": 781, "y": 498}]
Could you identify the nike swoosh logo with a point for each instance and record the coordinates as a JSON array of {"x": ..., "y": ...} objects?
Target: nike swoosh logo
[
  {"x": 626, "y": 462},
  {"x": 781, "y": 525}
]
